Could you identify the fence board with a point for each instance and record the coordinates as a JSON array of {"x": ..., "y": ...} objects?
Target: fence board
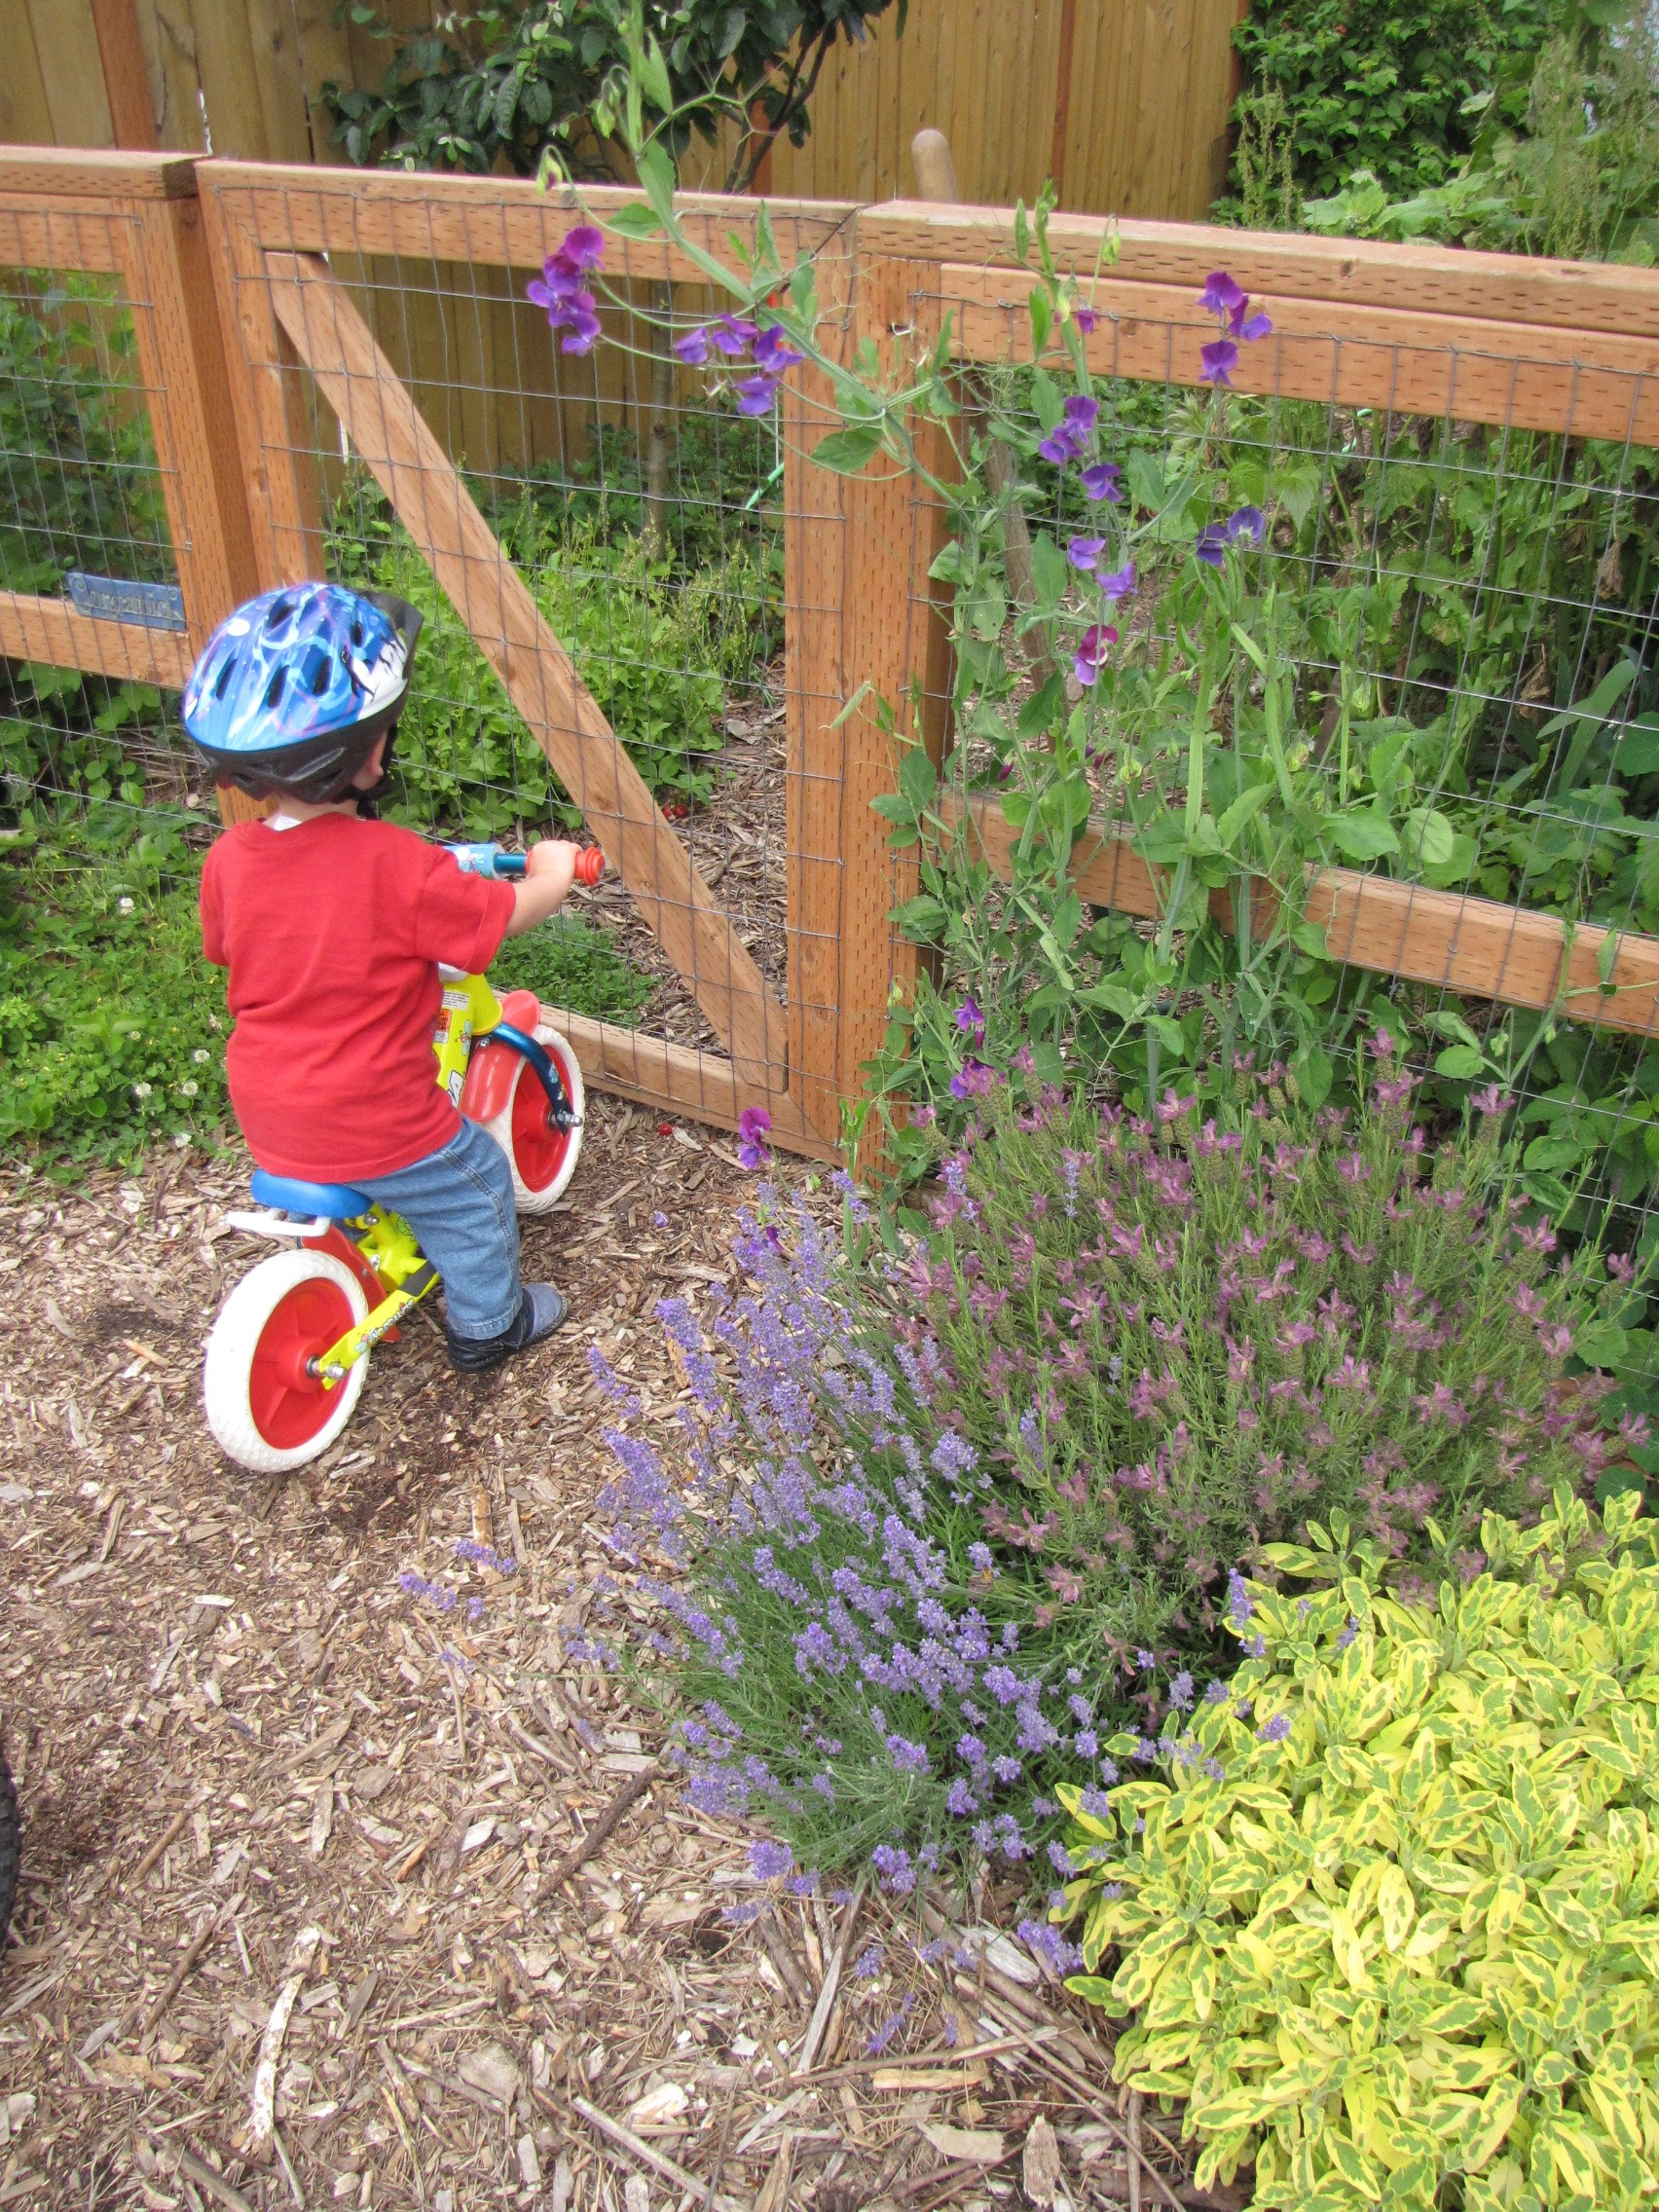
[
  {"x": 1475, "y": 946},
  {"x": 50, "y": 630}
]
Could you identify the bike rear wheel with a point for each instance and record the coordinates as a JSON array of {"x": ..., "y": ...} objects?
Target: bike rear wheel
[{"x": 265, "y": 1410}]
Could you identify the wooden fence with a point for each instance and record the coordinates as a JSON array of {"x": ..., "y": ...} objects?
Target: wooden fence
[
  {"x": 244, "y": 323},
  {"x": 1125, "y": 107}
]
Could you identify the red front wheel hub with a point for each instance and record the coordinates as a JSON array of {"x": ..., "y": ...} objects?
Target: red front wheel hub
[{"x": 287, "y": 1401}]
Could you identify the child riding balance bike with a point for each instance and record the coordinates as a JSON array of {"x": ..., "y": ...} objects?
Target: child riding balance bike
[{"x": 356, "y": 950}]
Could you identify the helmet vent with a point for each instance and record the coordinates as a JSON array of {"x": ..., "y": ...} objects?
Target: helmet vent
[
  {"x": 273, "y": 689},
  {"x": 313, "y": 670}
]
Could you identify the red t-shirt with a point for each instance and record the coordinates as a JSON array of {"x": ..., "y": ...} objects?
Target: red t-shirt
[{"x": 332, "y": 930}]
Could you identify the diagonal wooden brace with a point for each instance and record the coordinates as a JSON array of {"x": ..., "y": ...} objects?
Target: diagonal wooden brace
[{"x": 390, "y": 437}]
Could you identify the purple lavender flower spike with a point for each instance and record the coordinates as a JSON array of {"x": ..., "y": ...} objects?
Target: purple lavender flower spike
[
  {"x": 1084, "y": 552},
  {"x": 693, "y": 347},
  {"x": 770, "y": 1862},
  {"x": 1217, "y": 361},
  {"x": 1100, "y": 481},
  {"x": 1276, "y": 1731},
  {"x": 1221, "y": 296}
]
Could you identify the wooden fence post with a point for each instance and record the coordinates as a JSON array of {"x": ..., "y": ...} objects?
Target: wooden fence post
[{"x": 861, "y": 621}]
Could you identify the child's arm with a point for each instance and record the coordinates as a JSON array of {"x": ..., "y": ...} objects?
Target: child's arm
[{"x": 550, "y": 867}]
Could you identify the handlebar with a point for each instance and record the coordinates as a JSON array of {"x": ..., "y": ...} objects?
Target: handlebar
[{"x": 509, "y": 867}]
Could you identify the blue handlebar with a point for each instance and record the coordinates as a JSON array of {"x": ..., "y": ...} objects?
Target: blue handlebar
[{"x": 490, "y": 861}]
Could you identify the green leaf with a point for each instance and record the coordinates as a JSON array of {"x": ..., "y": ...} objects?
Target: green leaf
[
  {"x": 847, "y": 450},
  {"x": 654, "y": 79},
  {"x": 1047, "y": 399},
  {"x": 1243, "y": 809},
  {"x": 656, "y": 178},
  {"x": 1429, "y": 838},
  {"x": 918, "y": 779},
  {"x": 1459, "y": 1061},
  {"x": 921, "y": 918},
  {"x": 1637, "y": 752},
  {"x": 1049, "y": 570},
  {"x": 1362, "y": 833},
  {"x": 635, "y": 222},
  {"x": 1312, "y": 1070},
  {"x": 1043, "y": 704}
]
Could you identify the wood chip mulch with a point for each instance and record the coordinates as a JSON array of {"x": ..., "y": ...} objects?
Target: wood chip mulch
[{"x": 335, "y": 1898}]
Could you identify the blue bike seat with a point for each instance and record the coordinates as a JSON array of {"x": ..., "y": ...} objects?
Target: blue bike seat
[{"x": 286, "y": 1194}]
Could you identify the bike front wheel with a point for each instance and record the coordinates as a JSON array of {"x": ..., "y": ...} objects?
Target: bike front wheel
[
  {"x": 267, "y": 1411},
  {"x": 541, "y": 1155}
]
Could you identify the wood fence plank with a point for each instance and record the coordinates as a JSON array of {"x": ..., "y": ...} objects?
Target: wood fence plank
[
  {"x": 1532, "y": 376},
  {"x": 50, "y": 630},
  {"x": 1475, "y": 946},
  {"x": 67, "y": 48},
  {"x": 1500, "y": 287},
  {"x": 390, "y": 438},
  {"x": 279, "y": 469},
  {"x": 44, "y": 233},
  {"x": 672, "y": 1078},
  {"x": 182, "y": 367},
  {"x": 126, "y": 74},
  {"x": 101, "y": 176}
]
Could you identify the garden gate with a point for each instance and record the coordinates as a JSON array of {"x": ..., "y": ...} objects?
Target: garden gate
[{"x": 277, "y": 377}]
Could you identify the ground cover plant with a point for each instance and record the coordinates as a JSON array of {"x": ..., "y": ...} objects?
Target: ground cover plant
[
  {"x": 961, "y": 1511},
  {"x": 1384, "y": 1922}
]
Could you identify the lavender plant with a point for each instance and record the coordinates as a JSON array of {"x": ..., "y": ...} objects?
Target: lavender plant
[{"x": 960, "y": 1513}]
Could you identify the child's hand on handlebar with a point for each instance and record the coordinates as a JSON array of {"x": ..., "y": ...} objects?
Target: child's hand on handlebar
[{"x": 549, "y": 870}]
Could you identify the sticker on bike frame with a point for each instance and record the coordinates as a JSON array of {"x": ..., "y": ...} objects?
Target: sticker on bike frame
[{"x": 118, "y": 599}]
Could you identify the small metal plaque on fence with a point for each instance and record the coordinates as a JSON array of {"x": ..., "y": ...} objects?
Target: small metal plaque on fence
[{"x": 158, "y": 606}]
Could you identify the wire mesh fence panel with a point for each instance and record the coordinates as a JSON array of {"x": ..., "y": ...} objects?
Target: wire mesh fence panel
[
  {"x": 595, "y": 540},
  {"x": 1360, "y": 622}
]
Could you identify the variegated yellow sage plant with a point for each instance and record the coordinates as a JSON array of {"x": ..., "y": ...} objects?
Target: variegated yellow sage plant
[{"x": 1389, "y": 1927}]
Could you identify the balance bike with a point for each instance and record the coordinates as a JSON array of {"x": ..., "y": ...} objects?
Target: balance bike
[{"x": 288, "y": 1355}]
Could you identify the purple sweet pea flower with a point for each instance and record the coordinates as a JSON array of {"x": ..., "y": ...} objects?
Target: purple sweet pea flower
[
  {"x": 1090, "y": 655},
  {"x": 1062, "y": 444},
  {"x": 1119, "y": 583},
  {"x": 772, "y": 354},
  {"x": 755, "y": 395},
  {"x": 1101, "y": 481},
  {"x": 1246, "y": 523},
  {"x": 1084, "y": 552},
  {"x": 556, "y": 284},
  {"x": 1221, "y": 296},
  {"x": 973, "y": 1080},
  {"x": 693, "y": 347},
  {"x": 1218, "y": 360},
  {"x": 732, "y": 336},
  {"x": 1211, "y": 546},
  {"x": 753, "y": 1123},
  {"x": 1086, "y": 320},
  {"x": 584, "y": 247},
  {"x": 583, "y": 318},
  {"x": 971, "y": 1020},
  {"x": 1257, "y": 325},
  {"x": 1081, "y": 412}
]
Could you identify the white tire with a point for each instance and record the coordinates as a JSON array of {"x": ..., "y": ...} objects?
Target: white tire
[
  {"x": 542, "y": 1160},
  {"x": 264, "y": 1411}
]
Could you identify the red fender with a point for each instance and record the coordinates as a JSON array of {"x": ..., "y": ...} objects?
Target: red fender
[{"x": 490, "y": 1074}]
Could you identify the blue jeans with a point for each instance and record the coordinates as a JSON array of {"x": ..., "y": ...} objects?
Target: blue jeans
[{"x": 460, "y": 1204}]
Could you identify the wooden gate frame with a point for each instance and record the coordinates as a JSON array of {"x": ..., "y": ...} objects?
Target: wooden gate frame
[
  {"x": 229, "y": 290},
  {"x": 135, "y": 217}
]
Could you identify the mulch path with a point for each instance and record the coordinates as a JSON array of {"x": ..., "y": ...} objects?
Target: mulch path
[{"x": 277, "y": 1810}]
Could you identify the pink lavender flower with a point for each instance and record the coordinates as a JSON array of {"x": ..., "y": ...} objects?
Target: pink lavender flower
[
  {"x": 752, "y": 1125},
  {"x": 1090, "y": 655},
  {"x": 1491, "y": 1101}
]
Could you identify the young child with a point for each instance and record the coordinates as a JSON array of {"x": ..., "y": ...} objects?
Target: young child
[{"x": 333, "y": 924}]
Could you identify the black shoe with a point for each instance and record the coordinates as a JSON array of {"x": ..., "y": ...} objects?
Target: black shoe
[{"x": 541, "y": 1311}]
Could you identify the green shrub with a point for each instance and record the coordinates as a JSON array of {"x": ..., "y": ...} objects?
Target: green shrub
[
  {"x": 1386, "y": 87},
  {"x": 574, "y": 963},
  {"x": 1390, "y": 1927},
  {"x": 656, "y": 656}
]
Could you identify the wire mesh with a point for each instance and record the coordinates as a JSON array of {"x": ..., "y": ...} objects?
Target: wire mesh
[{"x": 1466, "y": 609}]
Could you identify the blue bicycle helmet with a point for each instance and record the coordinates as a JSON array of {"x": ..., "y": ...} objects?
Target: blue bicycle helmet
[{"x": 293, "y": 690}]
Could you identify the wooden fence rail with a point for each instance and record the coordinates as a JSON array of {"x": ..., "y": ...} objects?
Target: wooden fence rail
[{"x": 233, "y": 272}]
